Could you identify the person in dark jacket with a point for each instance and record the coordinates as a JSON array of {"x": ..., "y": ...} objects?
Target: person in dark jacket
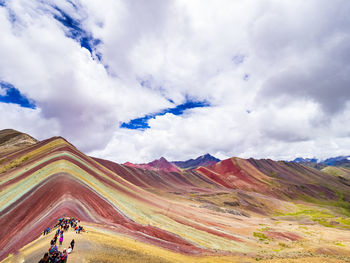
[
  {"x": 45, "y": 259},
  {"x": 72, "y": 244}
]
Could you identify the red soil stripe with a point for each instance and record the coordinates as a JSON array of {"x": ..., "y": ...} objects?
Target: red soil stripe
[
  {"x": 205, "y": 229},
  {"x": 39, "y": 200}
]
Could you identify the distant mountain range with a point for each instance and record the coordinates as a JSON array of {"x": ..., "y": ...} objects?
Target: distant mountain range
[
  {"x": 342, "y": 161},
  {"x": 164, "y": 165},
  {"x": 305, "y": 160}
]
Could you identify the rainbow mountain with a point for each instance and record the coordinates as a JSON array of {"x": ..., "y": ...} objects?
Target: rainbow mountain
[{"x": 234, "y": 210}]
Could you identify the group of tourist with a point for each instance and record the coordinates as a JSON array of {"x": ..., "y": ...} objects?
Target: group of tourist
[{"x": 54, "y": 255}]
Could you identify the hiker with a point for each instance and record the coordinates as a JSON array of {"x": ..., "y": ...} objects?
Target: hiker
[
  {"x": 61, "y": 240},
  {"x": 64, "y": 256},
  {"x": 72, "y": 244},
  {"x": 53, "y": 249},
  {"x": 45, "y": 259},
  {"x": 46, "y": 231},
  {"x": 53, "y": 242},
  {"x": 55, "y": 238}
]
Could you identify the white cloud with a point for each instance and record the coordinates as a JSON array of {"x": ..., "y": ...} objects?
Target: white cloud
[
  {"x": 295, "y": 53},
  {"x": 66, "y": 83},
  {"x": 28, "y": 121}
]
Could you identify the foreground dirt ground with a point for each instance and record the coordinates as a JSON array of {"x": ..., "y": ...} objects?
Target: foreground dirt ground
[{"x": 100, "y": 245}]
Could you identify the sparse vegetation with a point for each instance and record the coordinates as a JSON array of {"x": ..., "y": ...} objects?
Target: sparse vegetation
[
  {"x": 342, "y": 206},
  {"x": 14, "y": 163},
  {"x": 260, "y": 236},
  {"x": 344, "y": 221},
  {"x": 312, "y": 213},
  {"x": 282, "y": 245},
  {"x": 340, "y": 244},
  {"x": 264, "y": 229},
  {"x": 322, "y": 216}
]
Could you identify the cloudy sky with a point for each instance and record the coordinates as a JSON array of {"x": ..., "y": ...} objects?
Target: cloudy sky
[{"x": 136, "y": 80}]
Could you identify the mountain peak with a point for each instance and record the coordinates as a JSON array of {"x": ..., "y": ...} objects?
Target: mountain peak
[
  {"x": 160, "y": 160},
  {"x": 203, "y": 160},
  {"x": 159, "y": 164},
  {"x": 163, "y": 164},
  {"x": 208, "y": 155}
]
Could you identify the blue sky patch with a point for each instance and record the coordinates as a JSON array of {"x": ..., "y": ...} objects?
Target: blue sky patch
[
  {"x": 13, "y": 95},
  {"x": 142, "y": 123},
  {"x": 76, "y": 32},
  {"x": 11, "y": 15}
]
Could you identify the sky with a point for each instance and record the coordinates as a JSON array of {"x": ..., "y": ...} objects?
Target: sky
[{"x": 130, "y": 80}]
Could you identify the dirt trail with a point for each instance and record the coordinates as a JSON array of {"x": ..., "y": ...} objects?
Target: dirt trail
[{"x": 34, "y": 251}]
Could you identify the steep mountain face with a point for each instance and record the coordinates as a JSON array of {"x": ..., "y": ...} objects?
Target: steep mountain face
[
  {"x": 204, "y": 160},
  {"x": 12, "y": 140},
  {"x": 281, "y": 179},
  {"x": 214, "y": 211},
  {"x": 237, "y": 173},
  {"x": 300, "y": 181}
]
